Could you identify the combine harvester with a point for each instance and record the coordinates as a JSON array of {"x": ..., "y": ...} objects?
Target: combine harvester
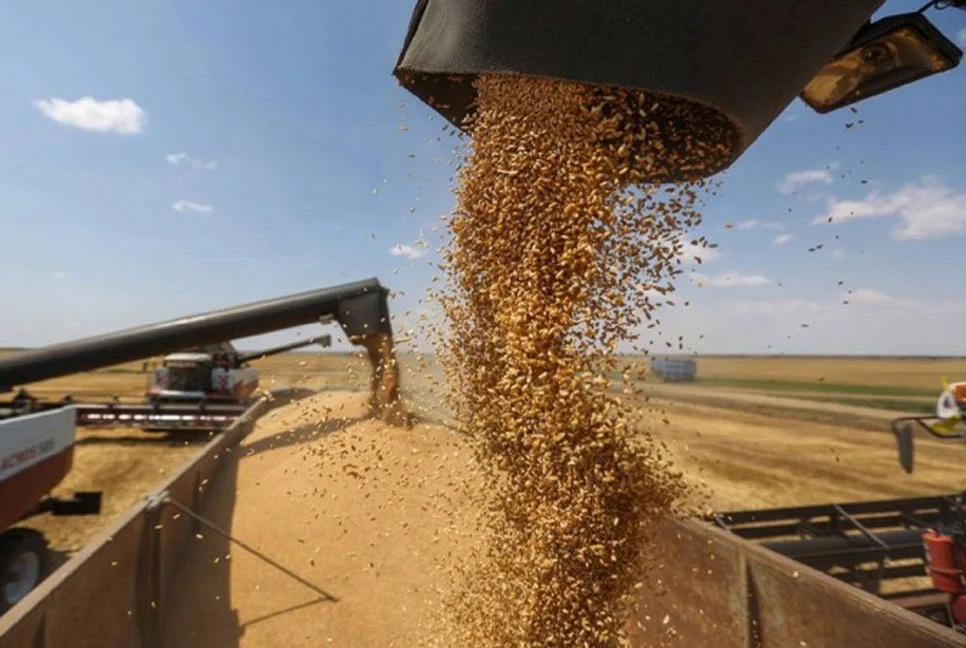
[
  {"x": 216, "y": 373},
  {"x": 947, "y": 424},
  {"x": 208, "y": 390},
  {"x": 201, "y": 389}
]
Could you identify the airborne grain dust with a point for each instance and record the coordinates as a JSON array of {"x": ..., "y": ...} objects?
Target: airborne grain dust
[{"x": 560, "y": 251}]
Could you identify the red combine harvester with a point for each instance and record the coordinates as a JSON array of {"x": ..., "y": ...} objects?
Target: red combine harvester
[{"x": 37, "y": 438}]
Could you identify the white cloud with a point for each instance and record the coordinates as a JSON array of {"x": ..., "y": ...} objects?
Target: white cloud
[
  {"x": 59, "y": 275},
  {"x": 751, "y": 224},
  {"x": 731, "y": 280},
  {"x": 782, "y": 239},
  {"x": 961, "y": 36},
  {"x": 927, "y": 209},
  {"x": 121, "y": 116},
  {"x": 798, "y": 179},
  {"x": 691, "y": 253},
  {"x": 407, "y": 251},
  {"x": 838, "y": 253},
  {"x": 871, "y": 296},
  {"x": 197, "y": 163},
  {"x": 725, "y": 321},
  {"x": 185, "y": 206},
  {"x": 793, "y": 308}
]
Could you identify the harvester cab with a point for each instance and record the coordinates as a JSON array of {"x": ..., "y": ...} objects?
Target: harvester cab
[
  {"x": 214, "y": 373},
  {"x": 199, "y": 375},
  {"x": 952, "y": 403}
]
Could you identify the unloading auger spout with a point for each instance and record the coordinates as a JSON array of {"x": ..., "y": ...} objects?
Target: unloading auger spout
[{"x": 361, "y": 308}]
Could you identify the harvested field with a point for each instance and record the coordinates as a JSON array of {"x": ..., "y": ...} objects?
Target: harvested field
[
  {"x": 890, "y": 373},
  {"x": 380, "y": 543},
  {"x": 127, "y": 463},
  {"x": 864, "y": 392},
  {"x": 750, "y": 460},
  {"x": 821, "y": 452},
  {"x": 378, "y": 534},
  {"x": 778, "y": 407}
]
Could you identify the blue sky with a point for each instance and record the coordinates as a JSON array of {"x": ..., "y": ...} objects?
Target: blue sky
[{"x": 265, "y": 149}]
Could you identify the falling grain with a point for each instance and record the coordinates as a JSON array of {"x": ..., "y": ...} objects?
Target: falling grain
[{"x": 557, "y": 226}]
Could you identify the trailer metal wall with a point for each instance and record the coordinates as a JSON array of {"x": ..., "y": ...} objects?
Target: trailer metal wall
[
  {"x": 720, "y": 590},
  {"x": 112, "y": 594},
  {"x": 717, "y": 589}
]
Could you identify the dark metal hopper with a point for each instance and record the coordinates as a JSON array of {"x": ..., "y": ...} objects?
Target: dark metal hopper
[{"x": 744, "y": 61}]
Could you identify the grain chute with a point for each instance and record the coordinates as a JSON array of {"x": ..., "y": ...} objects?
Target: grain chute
[{"x": 736, "y": 63}]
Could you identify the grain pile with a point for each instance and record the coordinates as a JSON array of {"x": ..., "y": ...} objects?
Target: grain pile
[
  {"x": 560, "y": 251},
  {"x": 365, "y": 510}
]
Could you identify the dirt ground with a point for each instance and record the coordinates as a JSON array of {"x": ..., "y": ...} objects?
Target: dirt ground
[
  {"x": 750, "y": 460},
  {"x": 368, "y": 512},
  {"x": 371, "y": 514}
]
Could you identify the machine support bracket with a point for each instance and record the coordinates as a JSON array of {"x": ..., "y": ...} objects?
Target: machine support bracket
[{"x": 218, "y": 530}]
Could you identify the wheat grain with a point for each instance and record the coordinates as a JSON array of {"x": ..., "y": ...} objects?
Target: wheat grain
[{"x": 559, "y": 241}]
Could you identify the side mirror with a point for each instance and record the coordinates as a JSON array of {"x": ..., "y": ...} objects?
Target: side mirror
[
  {"x": 903, "y": 434},
  {"x": 884, "y": 55}
]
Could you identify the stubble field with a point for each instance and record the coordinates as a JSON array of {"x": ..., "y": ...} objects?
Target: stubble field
[
  {"x": 743, "y": 447},
  {"x": 758, "y": 431}
]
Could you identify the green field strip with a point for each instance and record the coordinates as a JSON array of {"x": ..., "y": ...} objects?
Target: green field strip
[
  {"x": 765, "y": 384},
  {"x": 908, "y": 406}
]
